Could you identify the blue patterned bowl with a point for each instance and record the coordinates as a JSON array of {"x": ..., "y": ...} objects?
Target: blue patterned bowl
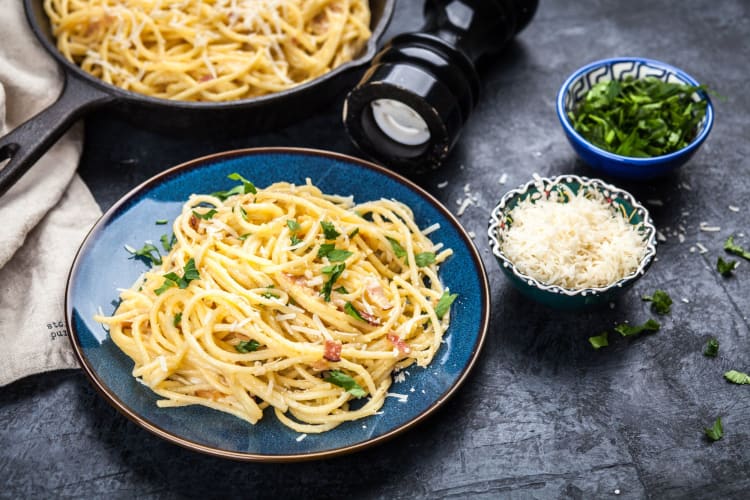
[
  {"x": 557, "y": 296},
  {"x": 620, "y": 68}
]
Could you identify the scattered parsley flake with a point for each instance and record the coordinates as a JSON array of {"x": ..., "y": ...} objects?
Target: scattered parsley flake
[
  {"x": 599, "y": 341},
  {"x": 661, "y": 302},
  {"x": 354, "y": 232},
  {"x": 731, "y": 247},
  {"x": 293, "y": 225},
  {"x": 424, "y": 259},
  {"x": 627, "y": 330},
  {"x": 352, "y": 311},
  {"x": 246, "y": 346},
  {"x": 161, "y": 222},
  {"x": 712, "y": 348},
  {"x": 205, "y": 216},
  {"x": 325, "y": 249},
  {"x": 341, "y": 379},
  {"x": 444, "y": 304},
  {"x": 341, "y": 289},
  {"x": 148, "y": 252},
  {"x": 736, "y": 377},
  {"x": 397, "y": 248},
  {"x": 167, "y": 243},
  {"x": 294, "y": 240},
  {"x": 177, "y": 318},
  {"x": 338, "y": 255},
  {"x": 329, "y": 230},
  {"x": 334, "y": 271},
  {"x": 715, "y": 432},
  {"x": 244, "y": 188},
  {"x": 189, "y": 273},
  {"x": 726, "y": 268}
]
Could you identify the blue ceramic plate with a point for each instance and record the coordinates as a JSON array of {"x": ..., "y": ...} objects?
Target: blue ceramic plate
[{"x": 103, "y": 265}]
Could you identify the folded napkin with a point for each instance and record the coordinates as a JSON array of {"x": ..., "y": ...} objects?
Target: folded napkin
[{"x": 44, "y": 216}]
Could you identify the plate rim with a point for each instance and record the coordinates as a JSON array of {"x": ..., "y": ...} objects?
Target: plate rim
[{"x": 168, "y": 436}]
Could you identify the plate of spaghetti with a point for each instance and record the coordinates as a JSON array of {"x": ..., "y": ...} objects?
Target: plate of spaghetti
[{"x": 277, "y": 304}]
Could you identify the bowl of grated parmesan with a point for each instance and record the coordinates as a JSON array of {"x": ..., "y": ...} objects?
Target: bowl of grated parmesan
[{"x": 571, "y": 242}]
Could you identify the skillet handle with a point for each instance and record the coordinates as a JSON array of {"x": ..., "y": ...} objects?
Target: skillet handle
[{"x": 24, "y": 145}]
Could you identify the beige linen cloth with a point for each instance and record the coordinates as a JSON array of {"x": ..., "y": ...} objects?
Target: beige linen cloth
[{"x": 45, "y": 216}]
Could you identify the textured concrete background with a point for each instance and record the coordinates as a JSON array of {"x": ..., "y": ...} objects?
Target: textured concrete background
[{"x": 543, "y": 415}]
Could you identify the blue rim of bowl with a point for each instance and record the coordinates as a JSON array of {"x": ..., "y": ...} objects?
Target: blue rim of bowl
[
  {"x": 121, "y": 407},
  {"x": 598, "y": 184},
  {"x": 694, "y": 144}
]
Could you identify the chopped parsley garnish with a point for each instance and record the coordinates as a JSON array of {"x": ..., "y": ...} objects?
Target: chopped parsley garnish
[
  {"x": 246, "y": 346},
  {"x": 243, "y": 213},
  {"x": 161, "y": 222},
  {"x": 325, "y": 249},
  {"x": 725, "y": 268},
  {"x": 712, "y": 348},
  {"x": 338, "y": 255},
  {"x": 167, "y": 243},
  {"x": 639, "y": 118},
  {"x": 269, "y": 295},
  {"x": 329, "y": 230},
  {"x": 177, "y": 318},
  {"x": 341, "y": 379},
  {"x": 599, "y": 341},
  {"x": 341, "y": 289},
  {"x": 715, "y": 432},
  {"x": 147, "y": 252},
  {"x": 294, "y": 240},
  {"x": 444, "y": 304},
  {"x": 205, "y": 216},
  {"x": 661, "y": 302},
  {"x": 243, "y": 237},
  {"x": 354, "y": 232},
  {"x": 293, "y": 225},
  {"x": 736, "y": 377},
  {"x": 397, "y": 248},
  {"x": 627, "y": 330},
  {"x": 731, "y": 247},
  {"x": 334, "y": 271},
  {"x": 424, "y": 259},
  {"x": 189, "y": 273},
  {"x": 352, "y": 311},
  {"x": 244, "y": 188}
]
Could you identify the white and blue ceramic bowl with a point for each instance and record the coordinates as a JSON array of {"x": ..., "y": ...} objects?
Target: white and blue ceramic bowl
[
  {"x": 621, "y": 68},
  {"x": 103, "y": 265},
  {"x": 553, "y": 295}
]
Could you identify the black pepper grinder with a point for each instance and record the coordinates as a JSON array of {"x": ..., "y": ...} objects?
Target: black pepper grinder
[{"x": 408, "y": 110}]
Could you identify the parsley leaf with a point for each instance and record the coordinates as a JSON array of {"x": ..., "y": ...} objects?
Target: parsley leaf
[
  {"x": 148, "y": 252},
  {"x": 293, "y": 225},
  {"x": 424, "y": 258},
  {"x": 731, "y": 247},
  {"x": 246, "y": 346},
  {"x": 189, "y": 273},
  {"x": 329, "y": 230},
  {"x": 725, "y": 268},
  {"x": 293, "y": 240},
  {"x": 661, "y": 302},
  {"x": 177, "y": 319},
  {"x": 444, "y": 304},
  {"x": 341, "y": 379},
  {"x": 599, "y": 341},
  {"x": 627, "y": 330},
  {"x": 712, "y": 348},
  {"x": 338, "y": 255},
  {"x": 352, "y": 311},
  {"x": 243, "y": 237},
  {"x": 715, "y": 432},
  {"x": 736, "y": 377},
  {"x": 341, "y": 289},
  {"x": 167, "y": 243},
  {"x": 354, "y": 232},
  {"x": 244, "y": 188},
  {"x": 397, "y": 248},
  {"x": 161, "y": 222},
  {"x": 205, "y": 216},
  {"x": 325, "y": 249},
  {"x": 334, "y": 271}
]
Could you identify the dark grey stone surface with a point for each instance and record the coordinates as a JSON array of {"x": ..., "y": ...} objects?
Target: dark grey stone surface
[{"x": 543, "y": 415}]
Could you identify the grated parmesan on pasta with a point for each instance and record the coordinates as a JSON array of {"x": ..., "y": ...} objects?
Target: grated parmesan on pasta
[{"x": 582, "y": 243}]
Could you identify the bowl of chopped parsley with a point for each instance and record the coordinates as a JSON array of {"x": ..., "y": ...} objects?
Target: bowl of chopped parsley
[{"x": 634, "y": 118}]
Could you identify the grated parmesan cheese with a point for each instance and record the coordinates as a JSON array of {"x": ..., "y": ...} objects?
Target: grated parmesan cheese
[{"x": 579, "y": 244}]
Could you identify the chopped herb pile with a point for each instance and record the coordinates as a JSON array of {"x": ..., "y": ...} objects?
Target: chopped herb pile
[
  {"x": 725, "y": 268},
  {"x": 599, "y": 341},
  {"x": 731, "y": 247},
  {"x": 627, "y": 330},
  {"x": 736, "y": 377},
  {"x": 715, "y": 432},
  {"x": 341, "y": 379},
  {"x": 661, "y": 302},
  {"x": 639, "y": 118},
  {"x": 712, "y": 348},
  {"x": 246, "y": 346}
]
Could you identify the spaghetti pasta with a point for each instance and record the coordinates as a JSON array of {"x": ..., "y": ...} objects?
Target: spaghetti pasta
[
  {"x": 208, "y": 50},
  {"x": 289, "y": 298}
]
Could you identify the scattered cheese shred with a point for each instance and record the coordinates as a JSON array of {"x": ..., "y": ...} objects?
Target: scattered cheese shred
[{"x": 583, "y": 243}]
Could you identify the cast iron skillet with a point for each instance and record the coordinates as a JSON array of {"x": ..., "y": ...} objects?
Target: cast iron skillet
[{"x": 83, "y": 92}]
